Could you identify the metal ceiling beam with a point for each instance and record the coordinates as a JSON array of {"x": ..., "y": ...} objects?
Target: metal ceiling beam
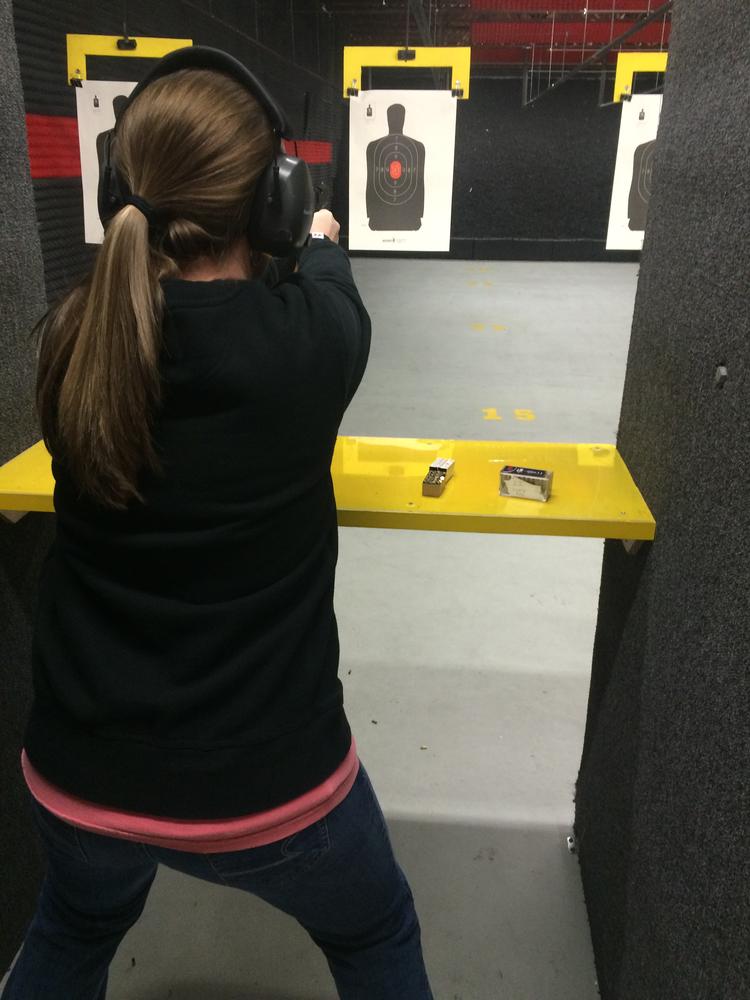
[
  {"x": 415, "y": 7},
  {"x": 477, "y": 16},
  {"x": 597, "y": 56}
]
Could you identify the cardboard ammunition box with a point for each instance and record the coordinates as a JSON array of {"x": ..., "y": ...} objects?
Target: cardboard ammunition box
[
  {"x": 438, "y": 475},
  {"x": 525, "y": 484}
]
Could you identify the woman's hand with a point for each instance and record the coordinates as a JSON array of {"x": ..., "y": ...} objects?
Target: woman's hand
[{"x": 324, "y": 222}]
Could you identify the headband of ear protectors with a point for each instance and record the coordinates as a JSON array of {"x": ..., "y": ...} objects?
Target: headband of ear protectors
[{"x": 284, "y": 200}]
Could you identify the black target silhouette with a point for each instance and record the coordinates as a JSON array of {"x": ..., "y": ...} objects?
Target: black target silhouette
[
  {"x": 395, "y": 177},
  {"x": 640, "y": 186}
]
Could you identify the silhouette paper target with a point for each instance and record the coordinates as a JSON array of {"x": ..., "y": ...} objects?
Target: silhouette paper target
[
  {"x": 395, "y": 177},
  {"x": 640, "y": 188},
  {"x": 98, "y": 104},
  {"x": 401, "y": 153},
  {"x": 634, "y": 171}
]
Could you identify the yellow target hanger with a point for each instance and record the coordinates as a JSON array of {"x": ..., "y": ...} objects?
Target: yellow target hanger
[
  {"x": 81, "y": 46},
  {"x": 630, "y": 63},
  {"x": 456, "y": 58}
]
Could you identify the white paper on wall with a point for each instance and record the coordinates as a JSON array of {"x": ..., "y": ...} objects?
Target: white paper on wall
[
  {"x": 401, "y": 149},
  {"x": 631, "y": 188},
  {"x": 96, "y": 103}
]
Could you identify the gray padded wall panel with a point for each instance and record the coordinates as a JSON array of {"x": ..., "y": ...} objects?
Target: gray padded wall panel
[
  {"x": 21, "y": 281},
  {"x": 22, "y": 546},
  {"x": 662, "y": 801}
]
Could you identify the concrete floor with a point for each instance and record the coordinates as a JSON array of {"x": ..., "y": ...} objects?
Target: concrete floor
[{"x": 476, "y": 647}]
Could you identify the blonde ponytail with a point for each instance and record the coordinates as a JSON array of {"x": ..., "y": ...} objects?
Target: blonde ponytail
[{"x": 112, "y": 380}]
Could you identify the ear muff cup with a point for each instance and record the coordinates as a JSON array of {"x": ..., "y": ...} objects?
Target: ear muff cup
[{"x": 283, "y": 207}]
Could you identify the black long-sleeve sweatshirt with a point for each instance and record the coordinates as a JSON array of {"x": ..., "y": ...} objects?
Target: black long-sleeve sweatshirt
[{"x": 185, "y": 653}]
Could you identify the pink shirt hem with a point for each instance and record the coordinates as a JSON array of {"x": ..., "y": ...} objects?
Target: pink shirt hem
[{"x": 198, "y": 836}]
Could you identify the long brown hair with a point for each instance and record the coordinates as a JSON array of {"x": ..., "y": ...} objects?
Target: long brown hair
[{"x": 192, "y": 145}]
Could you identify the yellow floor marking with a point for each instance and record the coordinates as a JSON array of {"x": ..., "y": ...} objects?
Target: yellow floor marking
[
  {"x": 491, "y": 414},
  {"x": 479, "y": 327},
  {"x": 473, "y": 284},
  {"x": 497, "y": 328},
  {"x": 524, "y": 414}
]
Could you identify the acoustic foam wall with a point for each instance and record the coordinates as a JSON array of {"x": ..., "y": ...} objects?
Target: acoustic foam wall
[
  {"x": 22, "y": 546},
  {"x": 662, "y": 800}
]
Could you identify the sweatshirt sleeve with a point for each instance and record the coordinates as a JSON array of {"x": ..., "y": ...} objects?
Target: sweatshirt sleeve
[{"x": 327, "y": 264}]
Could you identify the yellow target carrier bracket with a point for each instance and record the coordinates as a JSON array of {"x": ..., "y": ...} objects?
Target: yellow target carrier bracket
[
  {"x": 81, "y": 46},
  {"x": 455, "y": 58},
  {"x": 630, "y": 63},
  {"x": 378, "y": 484}
]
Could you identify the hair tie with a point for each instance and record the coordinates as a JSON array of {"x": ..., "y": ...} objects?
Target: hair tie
[{"x": 143, "y": 206}]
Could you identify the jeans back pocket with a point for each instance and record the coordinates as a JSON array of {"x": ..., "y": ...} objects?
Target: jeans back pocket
[{"x": 279, "y": 862}]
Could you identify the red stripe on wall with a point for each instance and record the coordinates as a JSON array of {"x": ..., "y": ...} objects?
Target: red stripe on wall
[
  {"x": 312, "y": 151},
  {"x": 53, "y": 146}
]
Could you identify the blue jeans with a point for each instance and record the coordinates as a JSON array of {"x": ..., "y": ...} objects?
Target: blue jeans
[{"x": 338, "y": 878}]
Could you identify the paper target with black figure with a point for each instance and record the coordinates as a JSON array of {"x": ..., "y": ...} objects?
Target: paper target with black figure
[
  {"x": 395, "y": 177},
  {"x": 98, "y": 103},
  {"x": 640, "y": 186},
  {"x": 401, "y": 154},
  {"x": 634, "y": 169}
]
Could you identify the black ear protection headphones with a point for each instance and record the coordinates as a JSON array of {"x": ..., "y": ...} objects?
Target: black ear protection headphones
[{"x": 284, "y": 201}]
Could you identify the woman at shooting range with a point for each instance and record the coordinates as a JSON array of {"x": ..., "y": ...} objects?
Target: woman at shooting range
[{"x": 187, "y": 707}]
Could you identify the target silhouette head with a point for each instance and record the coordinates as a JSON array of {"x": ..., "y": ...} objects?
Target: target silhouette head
[
  {"x": 119, "y": 104},
  {"x": 396, "y": 117}
]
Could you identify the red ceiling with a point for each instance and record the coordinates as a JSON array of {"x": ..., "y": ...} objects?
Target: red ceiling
[
  {"x": 568, "y": 31},
  {"x": 511, "y": 31},
  {"x": 568, "y": 6},
  {"x": 562, "y": 33}
]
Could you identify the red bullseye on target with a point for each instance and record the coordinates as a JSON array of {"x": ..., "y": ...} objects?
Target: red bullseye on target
[{"x": 394, "y": 170}]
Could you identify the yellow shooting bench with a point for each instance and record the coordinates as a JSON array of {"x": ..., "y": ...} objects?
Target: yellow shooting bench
[{"x": 378, "y": 484}]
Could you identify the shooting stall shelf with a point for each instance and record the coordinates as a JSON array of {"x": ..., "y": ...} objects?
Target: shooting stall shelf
[{"x": 378, "y": 483}]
